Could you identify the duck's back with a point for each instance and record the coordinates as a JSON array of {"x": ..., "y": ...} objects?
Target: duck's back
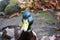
[{"x": 27, "y": 36}]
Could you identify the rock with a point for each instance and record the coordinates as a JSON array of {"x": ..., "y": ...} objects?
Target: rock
[
  {"x": 3, "y": 4},
  {"x": 10, "y": 9},
  {"x": 57, "y": 16},
  {"x": 1, "y": 34},
  {"x": 2, "y": 13},
  {"x": 10, "y": 32},
  {"x": 48, "y": 37}
]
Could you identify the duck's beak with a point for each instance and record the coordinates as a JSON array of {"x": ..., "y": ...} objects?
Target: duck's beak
[{"x": 25, "y": 25}]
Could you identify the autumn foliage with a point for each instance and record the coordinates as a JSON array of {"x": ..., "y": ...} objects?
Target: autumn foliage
[{"x": 47, "y": 4}]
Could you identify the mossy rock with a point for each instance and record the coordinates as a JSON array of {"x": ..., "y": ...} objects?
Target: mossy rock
[
  {"x": 10, "y": 9},
  {"x": 3, "y": 4}
]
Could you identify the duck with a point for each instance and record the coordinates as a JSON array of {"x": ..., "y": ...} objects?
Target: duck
[
  {"x": 28, "y": 17},
  {"x": 24, "y": 32},
  {"x": 27, "y": 32}
]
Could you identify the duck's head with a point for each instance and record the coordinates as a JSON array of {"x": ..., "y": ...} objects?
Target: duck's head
[
  {"x": 26, "y": 14},
  {"x": 27, "y": 20}
]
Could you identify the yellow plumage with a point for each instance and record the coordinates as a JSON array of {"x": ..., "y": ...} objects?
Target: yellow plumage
[{"x": 25, "y": 25}]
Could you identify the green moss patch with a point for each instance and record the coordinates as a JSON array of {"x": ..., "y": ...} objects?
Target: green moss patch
[{"x": 43, "y": 16}]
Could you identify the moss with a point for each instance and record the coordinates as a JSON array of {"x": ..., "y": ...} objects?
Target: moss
[
  {"x": 49, "y": 20},
  {"x": 43, "y": 16},
  {"x": 11, "y": 9},
  {"x": 13, "y": 2},
  {"x": 3, "y": 4}
]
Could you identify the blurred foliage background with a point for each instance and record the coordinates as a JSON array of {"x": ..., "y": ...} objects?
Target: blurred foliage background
[{"x": 10, "y": 7}]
